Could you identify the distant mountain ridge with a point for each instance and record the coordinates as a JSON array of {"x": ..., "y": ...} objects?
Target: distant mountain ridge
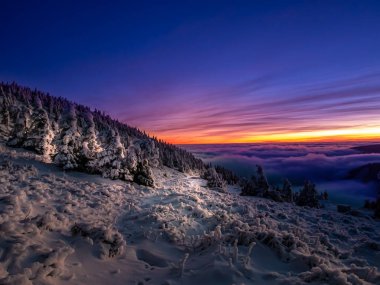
[
  {"x": 74, "y": 137},
  {"x": 369, "y": 172},
  {"x": 372, "y": 148}
]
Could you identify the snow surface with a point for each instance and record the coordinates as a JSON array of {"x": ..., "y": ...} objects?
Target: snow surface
[{"x": 72, "y": 228}]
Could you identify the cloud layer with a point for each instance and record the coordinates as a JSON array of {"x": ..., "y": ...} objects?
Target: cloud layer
[{"x": 325, "y": 164}]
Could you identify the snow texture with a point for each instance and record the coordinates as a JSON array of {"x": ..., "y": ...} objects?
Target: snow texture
[{"x": 76, "y": 228}]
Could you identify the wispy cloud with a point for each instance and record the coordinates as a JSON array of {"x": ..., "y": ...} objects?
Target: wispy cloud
[{"x": 258, "y": 106}]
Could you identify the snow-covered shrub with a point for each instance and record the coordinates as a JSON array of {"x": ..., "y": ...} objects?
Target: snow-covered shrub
[
  {"x": 49, "y": 221},
  {"x": 111, "y": 241}
]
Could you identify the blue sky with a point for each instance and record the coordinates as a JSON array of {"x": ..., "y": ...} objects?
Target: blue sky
[{"x": 192, "y": 70}]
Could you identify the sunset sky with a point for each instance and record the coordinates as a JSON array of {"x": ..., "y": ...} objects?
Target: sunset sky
[{"x": 206, "y": 71}]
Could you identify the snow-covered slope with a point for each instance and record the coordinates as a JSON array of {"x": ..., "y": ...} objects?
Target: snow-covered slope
[
  {"x": 76, "y": 138},
  {"x": 76, "y": 228}
]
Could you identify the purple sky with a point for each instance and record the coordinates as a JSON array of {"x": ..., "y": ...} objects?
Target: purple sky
[{"x": 205, "y": 71}]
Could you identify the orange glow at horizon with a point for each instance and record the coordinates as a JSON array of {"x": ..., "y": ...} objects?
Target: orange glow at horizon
[{"x": 341, "y": 135}]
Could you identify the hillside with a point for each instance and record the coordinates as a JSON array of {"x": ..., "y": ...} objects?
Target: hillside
[{"x": 76, "y": 138}]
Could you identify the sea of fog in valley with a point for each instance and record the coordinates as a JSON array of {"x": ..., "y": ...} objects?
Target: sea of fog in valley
[{"x": 328, "y": 165}]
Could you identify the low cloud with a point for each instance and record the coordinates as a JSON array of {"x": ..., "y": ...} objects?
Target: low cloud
[
  {"x": 327, "y": 165},
  {"x": 297, "y": 162}
]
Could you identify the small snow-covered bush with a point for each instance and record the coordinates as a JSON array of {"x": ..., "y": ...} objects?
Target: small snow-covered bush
[{"x": 111, "y": 241}]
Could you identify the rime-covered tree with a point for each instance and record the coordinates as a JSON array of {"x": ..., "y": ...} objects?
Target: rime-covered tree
[
  {"x": 227, "y": 175},
  {"x": 287, "y": 192},
  {"x": 249, "y": 187},
  {"x": 214, "y": 180},
  {"x": 39, "y": 132},
  {"x": 308, "y": 196},
  {"x": 262, "y": 182},
  {"x": 110, "y": 161},
  {"x": 5, "y": 119},
  {"x": 258, "y": 184},
  {"x": 143, "y": 174},
  {"x": 90, "y": 144},
  {"x": 20, "y": 129},
  {"x": 69, "y": 141}
]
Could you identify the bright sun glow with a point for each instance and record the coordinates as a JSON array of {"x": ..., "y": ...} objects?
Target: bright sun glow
[
  {"x": 344, "y": 134},
  {"x": 349, "y": 134}
]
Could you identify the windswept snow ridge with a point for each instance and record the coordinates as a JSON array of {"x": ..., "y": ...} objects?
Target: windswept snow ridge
[{"x": 72, "y": 228}]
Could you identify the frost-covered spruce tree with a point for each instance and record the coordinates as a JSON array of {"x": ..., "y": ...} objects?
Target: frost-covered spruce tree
[
  {"x": 39, "y": 132},
  {"x": 69, "y": 141},
  {"x": 90, "y": 144},
  {"x": 143, "y": 174},
  {"x": 20, "y": 129},
  {"x": 149, "y": 152},
  {"x": 308, "y": 196},
  {"x": 287, "y": 192},
  {"x": 214, "y": 180},
  {"x": 227, "y": 175},
  {"x": 131, "y": 160},
  {"x": 249, "y": 187},
  {"x": 110, "y": 160},
  {"x": 4, "y": 121},
  {"x": 258, "y": 184},
  {"x": 262, "y": 182},
  {"x": 5, "y": 118}
]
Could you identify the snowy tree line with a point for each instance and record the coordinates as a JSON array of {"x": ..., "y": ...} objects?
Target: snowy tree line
[
  {"x": 258, "y": 185},
  {"x": 75, "y": 137}
]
